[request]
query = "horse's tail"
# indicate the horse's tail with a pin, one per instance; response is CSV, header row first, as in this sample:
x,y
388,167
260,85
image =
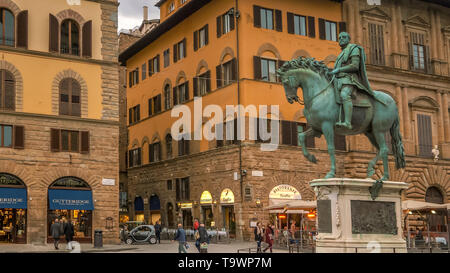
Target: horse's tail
x,y
397,145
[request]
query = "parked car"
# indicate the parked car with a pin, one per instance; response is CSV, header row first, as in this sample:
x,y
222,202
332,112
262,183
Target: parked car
x,y
142,234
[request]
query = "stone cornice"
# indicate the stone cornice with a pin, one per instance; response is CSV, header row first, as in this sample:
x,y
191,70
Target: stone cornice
x,y
104,2
55,55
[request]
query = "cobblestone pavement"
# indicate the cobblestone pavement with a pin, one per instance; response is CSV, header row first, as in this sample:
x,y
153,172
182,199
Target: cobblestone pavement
x,y
165,247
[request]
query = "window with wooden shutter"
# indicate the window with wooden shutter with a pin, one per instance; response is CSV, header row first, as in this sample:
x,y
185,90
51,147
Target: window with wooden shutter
x,y
167,97
257,67
22,29
219,26
175,96
175,52
19,137
151,153
130,116
166,57
376,37
85,142
290,22
150,107
196,40
311,27
168,146
219,76
70,97
130,79
278,20
54,34
195,86
419,53
6,136
425,135
7,90
87,39
55,145
7,27
70,37
257,16
322,29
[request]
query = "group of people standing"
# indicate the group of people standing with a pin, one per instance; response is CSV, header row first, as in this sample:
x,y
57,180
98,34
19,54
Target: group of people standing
x,y
264,234
65,228
200,234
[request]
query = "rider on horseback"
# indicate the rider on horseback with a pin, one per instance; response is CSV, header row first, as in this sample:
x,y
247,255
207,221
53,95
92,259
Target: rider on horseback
x,y
350,72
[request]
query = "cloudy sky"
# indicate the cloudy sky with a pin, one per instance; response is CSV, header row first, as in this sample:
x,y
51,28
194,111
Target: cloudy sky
x,y
131,14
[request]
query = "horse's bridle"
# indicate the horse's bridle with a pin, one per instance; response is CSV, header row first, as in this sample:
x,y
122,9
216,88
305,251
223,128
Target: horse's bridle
x,y
316,95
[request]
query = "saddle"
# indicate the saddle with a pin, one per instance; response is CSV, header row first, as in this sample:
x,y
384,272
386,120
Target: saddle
x,y
362,112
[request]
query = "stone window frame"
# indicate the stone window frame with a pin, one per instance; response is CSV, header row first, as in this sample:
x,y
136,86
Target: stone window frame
x,y
15,10
378,17
202,66
69,73
4,65
431,110
417,24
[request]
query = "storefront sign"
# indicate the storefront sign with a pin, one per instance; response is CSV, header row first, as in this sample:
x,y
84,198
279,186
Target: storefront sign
x,y
108,182
206,198
70,199
285,192
186,205
227,197
12,198
9,180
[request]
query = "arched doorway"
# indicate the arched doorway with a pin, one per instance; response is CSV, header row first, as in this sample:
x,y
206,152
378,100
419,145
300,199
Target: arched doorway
x,y
139,209
13,209
70,200
170,222
155,209
227,204
207,216
437,218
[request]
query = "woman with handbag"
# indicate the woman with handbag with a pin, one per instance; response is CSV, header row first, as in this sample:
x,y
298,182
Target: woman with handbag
x,y
269,238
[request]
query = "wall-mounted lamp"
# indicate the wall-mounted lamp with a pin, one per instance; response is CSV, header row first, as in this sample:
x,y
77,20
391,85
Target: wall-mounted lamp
x,y
433,211
244,172
409,212
258,202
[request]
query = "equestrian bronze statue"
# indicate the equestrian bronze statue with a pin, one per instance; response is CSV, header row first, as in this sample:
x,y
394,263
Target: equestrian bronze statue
x,y
342,102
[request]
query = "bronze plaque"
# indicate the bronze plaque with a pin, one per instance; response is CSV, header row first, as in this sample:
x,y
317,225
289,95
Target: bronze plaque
x,y
324,214
373,217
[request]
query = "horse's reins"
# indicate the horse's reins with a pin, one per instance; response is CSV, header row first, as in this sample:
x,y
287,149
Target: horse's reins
x,y
316,95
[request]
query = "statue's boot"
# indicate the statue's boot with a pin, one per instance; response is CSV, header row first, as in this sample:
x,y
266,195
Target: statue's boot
x,y
348,111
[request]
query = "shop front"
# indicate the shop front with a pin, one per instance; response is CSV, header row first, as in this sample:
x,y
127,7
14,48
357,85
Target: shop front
x,y
206,204
13,209
155,209
186,215
139,209
227,207
70,200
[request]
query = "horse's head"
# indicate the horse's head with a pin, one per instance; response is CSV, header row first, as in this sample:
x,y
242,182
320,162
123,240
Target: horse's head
x,y
290,84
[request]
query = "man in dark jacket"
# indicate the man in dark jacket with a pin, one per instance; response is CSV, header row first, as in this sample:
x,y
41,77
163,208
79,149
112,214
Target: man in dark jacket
x,y
69,232
54,231
158,231
204,239
181,238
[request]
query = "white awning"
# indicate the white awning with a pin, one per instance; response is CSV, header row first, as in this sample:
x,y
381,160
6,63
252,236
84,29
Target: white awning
x,y
288,211
292,205
421,205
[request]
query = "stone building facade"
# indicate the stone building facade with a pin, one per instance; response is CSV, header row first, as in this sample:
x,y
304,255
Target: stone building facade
x,y
63,150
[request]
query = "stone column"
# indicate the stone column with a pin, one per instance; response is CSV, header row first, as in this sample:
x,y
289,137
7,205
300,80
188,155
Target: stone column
x,y
401,32
398,94
446,115
394,27
440,118
440,44
358,24
433,35
407,123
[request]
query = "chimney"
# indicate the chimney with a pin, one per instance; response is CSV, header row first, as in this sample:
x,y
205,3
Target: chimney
x,y
145,13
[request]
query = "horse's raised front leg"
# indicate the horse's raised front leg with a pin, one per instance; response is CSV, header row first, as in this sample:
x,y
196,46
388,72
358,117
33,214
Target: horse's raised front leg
x,y
328,132
373,162
302,136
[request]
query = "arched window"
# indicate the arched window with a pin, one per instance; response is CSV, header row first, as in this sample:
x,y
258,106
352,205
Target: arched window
x,y
70,37
434,195
7,90
169,146
69,97
6,27
167,97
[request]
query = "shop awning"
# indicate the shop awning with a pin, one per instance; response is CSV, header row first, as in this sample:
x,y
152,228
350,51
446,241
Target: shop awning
x,y
293,204
421,205
13,198
70,199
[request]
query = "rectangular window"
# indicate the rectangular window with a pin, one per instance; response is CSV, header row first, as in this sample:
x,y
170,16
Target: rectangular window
x,y
268,70
185,191
203,84
266,18
134,157
419,57
166,57
227,73
330,31
6,136
180,52
425,135
300,25
169,185
144,71
225,23
134,114
202,38
376,37
70,141
183,146
419,53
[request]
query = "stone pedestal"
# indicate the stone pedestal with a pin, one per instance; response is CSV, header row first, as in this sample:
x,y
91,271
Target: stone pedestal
x,y
349,221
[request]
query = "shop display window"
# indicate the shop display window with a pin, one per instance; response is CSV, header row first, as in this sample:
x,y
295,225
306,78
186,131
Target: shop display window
x,y
13,225
82,219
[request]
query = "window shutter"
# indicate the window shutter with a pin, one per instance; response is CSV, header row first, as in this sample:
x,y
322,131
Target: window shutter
x,y
64,96
177,189
231,22
137,75
233,69
184,48
10,94
75,99
411,56
195,83
151,152
208,81
278,20
175,96
85,142
195,40
280,64
286,132
150,63
159,102
54,34
257,16
322,29
219,26
130,79
54,140
425,135
311,27
130,116
257,67
290,23
186,88
22,29
138,112
175,53
206,34
157,69
428,66
18,137
342,27
219,76
87,39
150,110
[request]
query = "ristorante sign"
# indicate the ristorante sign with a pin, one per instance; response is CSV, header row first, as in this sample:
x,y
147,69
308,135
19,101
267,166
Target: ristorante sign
x,y
285,192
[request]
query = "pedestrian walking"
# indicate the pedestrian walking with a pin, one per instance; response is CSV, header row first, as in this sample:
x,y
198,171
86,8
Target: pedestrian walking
x,y
203,239
259,233
181,238
55,232
269,237
197,240
69,232
158,231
